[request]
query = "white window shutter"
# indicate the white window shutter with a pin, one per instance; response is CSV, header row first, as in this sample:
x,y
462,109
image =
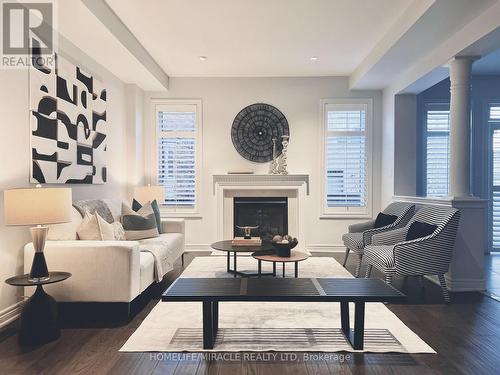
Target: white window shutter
x,y
438,152
346,166
177,157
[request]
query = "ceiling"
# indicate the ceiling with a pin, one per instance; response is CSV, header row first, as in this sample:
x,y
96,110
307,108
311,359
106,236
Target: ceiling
x,y
259,37
83,29
488,65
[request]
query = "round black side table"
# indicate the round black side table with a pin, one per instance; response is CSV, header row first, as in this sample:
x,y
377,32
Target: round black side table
x,y
39,321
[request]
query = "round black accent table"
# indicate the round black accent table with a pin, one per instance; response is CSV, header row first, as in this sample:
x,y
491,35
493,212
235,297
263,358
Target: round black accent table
x,y
39,321
228,247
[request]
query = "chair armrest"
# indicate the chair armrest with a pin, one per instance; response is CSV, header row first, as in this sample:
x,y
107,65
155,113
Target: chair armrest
x,y
368,234
390,237
102,271
171,225
430,255
361,227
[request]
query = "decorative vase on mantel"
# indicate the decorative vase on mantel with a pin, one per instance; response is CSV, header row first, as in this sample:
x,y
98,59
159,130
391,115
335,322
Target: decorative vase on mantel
x,y
282,169
273,168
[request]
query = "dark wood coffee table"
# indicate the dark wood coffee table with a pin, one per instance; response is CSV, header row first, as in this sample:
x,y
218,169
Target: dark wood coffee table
x,y
213,291
270,256
228,247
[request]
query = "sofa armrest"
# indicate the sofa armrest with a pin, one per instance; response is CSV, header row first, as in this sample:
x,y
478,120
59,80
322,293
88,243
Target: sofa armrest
x,y
102,271
171,225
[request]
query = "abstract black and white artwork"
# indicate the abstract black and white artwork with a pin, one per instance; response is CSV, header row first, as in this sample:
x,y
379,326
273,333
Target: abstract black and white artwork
x,y
68,125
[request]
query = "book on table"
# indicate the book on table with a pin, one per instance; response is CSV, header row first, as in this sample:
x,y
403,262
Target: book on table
x,y
242,241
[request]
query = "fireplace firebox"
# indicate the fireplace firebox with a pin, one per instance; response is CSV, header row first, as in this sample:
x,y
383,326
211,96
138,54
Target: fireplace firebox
x,y
269,213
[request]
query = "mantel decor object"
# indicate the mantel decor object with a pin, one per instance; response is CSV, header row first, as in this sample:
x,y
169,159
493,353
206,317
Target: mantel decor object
x,y
283,161
273,168
38,206
253,130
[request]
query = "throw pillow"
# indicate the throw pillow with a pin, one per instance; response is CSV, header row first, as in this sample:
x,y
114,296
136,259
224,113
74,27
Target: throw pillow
x,y
119,231
136,206
383,219
139,225
95,228
418,230
92,206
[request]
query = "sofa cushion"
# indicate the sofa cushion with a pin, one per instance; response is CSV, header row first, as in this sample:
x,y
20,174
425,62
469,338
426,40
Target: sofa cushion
x,y
139,225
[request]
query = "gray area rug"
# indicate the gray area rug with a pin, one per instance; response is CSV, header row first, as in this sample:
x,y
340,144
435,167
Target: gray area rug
x,y
278,326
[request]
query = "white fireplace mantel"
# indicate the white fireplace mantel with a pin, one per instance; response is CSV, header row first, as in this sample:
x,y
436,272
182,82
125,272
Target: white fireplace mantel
x,y
260,180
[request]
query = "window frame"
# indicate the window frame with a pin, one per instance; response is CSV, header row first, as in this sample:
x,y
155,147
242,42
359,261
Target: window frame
x,y
155,134
436,105
342,212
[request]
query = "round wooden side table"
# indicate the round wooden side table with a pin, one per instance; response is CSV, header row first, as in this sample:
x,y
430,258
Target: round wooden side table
x,y
270,256
228,247
39,318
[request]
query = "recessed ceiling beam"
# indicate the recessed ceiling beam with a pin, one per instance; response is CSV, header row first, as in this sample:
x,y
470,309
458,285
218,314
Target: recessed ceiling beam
x,y
114,24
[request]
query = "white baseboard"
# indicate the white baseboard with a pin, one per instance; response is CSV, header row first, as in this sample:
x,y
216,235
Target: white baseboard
x,y
10,314
461,285
326,248
198,247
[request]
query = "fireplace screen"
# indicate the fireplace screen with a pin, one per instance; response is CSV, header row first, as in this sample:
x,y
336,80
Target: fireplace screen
x,y
269,213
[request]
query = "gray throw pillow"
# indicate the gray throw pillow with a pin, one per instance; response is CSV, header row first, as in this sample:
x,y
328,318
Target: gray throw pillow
x,y
139,225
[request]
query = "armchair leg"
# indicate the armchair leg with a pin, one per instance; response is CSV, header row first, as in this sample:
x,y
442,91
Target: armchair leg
x,y
368,271
182,259
346,256
358,267
444,288
388,279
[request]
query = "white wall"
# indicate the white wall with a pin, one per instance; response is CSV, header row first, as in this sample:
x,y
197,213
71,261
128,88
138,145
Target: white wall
x,y
15,156
299,100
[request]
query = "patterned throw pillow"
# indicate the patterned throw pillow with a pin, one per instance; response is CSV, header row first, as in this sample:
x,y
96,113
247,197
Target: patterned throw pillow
x,y
95,228
119,231
136,206
139,225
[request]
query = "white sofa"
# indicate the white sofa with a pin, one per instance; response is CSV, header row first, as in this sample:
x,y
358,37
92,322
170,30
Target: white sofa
x,y
104,271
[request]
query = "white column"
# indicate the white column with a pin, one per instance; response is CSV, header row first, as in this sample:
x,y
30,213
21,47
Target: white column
x,y
460,119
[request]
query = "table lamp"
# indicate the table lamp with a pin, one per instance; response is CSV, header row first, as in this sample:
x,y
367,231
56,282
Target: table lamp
x,y
38,206
144,194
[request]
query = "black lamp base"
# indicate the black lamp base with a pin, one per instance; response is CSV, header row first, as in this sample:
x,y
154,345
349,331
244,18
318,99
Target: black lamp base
x,y
39,271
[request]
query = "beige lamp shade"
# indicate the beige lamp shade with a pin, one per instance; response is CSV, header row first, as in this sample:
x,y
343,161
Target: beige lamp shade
x,y
37,206
149,193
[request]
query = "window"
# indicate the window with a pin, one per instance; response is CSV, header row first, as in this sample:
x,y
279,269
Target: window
x,y
346,157
437,149
494,125
178,150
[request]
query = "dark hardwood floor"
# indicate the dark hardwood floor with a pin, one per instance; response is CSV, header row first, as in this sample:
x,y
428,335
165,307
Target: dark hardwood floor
x,y
465,333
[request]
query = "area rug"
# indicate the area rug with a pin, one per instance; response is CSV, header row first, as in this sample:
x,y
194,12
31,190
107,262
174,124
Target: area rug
x,y
277,326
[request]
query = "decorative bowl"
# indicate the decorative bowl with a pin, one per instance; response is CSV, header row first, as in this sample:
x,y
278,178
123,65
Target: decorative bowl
x,y
283,249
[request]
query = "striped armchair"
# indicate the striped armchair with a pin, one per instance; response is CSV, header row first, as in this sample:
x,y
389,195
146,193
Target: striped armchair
x,y
361,234
429,255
